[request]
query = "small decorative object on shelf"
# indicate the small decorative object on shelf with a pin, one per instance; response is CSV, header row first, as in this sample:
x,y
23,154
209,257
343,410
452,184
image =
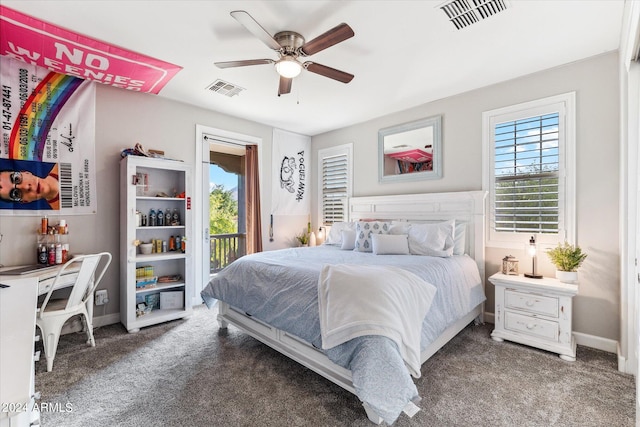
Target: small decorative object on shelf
x,y
510,265
533,250
567,258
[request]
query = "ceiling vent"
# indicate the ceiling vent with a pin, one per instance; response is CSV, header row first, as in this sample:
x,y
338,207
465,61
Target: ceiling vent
x,y
463,13
225,88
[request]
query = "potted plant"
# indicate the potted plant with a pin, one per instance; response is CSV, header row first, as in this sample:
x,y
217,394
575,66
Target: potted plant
x,y
303,239
567,258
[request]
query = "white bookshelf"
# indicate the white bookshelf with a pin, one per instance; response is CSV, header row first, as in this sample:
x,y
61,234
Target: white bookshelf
x,y
172,181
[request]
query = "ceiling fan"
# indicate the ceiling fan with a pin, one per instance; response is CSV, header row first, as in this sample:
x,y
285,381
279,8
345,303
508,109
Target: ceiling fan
x,y
290,46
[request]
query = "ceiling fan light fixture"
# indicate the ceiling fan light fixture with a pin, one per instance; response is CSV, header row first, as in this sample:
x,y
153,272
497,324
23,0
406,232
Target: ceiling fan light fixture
x,y
288,67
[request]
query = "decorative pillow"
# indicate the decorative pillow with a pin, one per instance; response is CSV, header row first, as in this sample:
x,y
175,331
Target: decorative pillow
x,y
348,238
335,232
432,239
364,231
390,244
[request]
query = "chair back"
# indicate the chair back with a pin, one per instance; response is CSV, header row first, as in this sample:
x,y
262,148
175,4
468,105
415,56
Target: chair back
x,y
88,278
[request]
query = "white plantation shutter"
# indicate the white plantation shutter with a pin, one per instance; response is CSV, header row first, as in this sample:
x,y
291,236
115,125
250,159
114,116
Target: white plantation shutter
x,y
526,166
529,171
335,182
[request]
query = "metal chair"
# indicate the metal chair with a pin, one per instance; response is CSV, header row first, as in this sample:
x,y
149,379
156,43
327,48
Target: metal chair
x,y
53,313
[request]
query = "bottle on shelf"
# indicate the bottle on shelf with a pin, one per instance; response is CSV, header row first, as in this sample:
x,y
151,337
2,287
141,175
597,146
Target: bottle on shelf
x,y
178,242
43,256
51,254
58,253
44,225
175,219
152,218
160,216
167,218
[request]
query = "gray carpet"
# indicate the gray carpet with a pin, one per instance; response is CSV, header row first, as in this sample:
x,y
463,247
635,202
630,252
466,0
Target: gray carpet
x,y
189,373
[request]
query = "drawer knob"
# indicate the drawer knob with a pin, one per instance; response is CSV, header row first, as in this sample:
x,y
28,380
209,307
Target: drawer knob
x,y
529,303
531,325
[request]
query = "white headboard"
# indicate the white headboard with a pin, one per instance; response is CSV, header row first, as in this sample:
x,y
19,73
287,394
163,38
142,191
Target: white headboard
x,y
465,206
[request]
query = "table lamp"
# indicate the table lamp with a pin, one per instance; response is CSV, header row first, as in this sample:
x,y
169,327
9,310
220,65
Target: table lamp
x,y
533,251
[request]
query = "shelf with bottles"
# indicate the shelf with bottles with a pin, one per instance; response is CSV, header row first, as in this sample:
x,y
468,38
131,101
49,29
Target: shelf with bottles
x,y
47,230
52,245
159,215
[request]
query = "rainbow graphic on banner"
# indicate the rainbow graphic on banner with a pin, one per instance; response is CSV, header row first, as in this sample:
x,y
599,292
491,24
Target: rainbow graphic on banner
x,y
30,132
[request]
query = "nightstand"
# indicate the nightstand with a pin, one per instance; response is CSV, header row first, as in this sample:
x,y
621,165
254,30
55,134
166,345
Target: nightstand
x,y
535,312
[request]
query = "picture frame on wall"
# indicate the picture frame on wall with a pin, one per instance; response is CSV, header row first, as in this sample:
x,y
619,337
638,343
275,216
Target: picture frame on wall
x,y
411,151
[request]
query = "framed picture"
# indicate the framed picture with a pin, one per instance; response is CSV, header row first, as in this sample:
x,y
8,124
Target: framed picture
x,y
411,151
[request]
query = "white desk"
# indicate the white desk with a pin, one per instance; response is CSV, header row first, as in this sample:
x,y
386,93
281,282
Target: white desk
x,y
18,305
45,277
17,336
45,280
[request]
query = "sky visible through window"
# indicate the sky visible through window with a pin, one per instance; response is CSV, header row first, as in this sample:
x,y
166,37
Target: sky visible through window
x,y
526,146
218,176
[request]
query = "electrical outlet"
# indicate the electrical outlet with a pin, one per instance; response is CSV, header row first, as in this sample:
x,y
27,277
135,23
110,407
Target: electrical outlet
x,y
101,297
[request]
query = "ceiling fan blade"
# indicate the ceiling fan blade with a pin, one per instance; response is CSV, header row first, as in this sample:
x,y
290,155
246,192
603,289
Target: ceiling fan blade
x,y
325,71
285,85
231,64
334,36
256,29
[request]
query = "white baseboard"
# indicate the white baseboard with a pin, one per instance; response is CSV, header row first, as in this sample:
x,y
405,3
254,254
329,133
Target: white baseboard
x,y
76,324
586,340
109,319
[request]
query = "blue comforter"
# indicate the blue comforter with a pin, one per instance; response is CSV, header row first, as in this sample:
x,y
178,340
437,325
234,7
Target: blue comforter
x,y
281,288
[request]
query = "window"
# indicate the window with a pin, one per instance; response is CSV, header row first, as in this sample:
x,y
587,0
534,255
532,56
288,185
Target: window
x,y
529,171
334,166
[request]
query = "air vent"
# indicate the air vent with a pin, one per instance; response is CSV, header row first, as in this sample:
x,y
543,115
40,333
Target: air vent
x,y
463,13
225,88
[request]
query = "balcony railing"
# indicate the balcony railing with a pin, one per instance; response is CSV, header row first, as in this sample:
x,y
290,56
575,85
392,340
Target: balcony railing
x,y
226,248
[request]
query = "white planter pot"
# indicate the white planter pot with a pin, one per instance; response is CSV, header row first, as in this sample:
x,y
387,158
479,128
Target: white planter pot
x,y
567,276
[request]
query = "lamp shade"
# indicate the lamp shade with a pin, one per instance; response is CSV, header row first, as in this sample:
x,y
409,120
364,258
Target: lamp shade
x,y
288,67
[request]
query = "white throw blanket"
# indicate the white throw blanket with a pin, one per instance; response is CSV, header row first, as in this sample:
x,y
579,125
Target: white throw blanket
x,y
357,300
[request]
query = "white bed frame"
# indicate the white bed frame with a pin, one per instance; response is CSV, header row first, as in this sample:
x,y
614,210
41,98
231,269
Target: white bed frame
x,y
467,207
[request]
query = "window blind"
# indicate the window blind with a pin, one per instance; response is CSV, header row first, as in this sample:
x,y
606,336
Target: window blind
x,y
334,188
526,172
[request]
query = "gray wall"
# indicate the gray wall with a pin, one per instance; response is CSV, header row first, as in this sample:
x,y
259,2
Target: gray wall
x,y
595,81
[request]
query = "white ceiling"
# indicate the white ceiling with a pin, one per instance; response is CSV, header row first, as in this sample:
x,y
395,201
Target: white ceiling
x,y
403,54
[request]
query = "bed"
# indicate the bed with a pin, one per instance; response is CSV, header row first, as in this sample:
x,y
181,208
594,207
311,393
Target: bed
x,y
285,298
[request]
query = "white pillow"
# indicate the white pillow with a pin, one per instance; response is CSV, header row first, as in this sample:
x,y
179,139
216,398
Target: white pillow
x,y
390,244
364,229
459,238
335,232
348,238
398,227
432,239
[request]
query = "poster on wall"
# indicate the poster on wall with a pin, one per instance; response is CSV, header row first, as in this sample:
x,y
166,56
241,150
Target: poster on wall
x,y
291,179
41,43
47,153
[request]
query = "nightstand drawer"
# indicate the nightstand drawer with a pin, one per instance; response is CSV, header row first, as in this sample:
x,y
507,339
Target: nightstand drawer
x,y
532,303
532,326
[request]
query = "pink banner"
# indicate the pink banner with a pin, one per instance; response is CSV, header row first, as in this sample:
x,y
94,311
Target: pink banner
x,y
35,42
